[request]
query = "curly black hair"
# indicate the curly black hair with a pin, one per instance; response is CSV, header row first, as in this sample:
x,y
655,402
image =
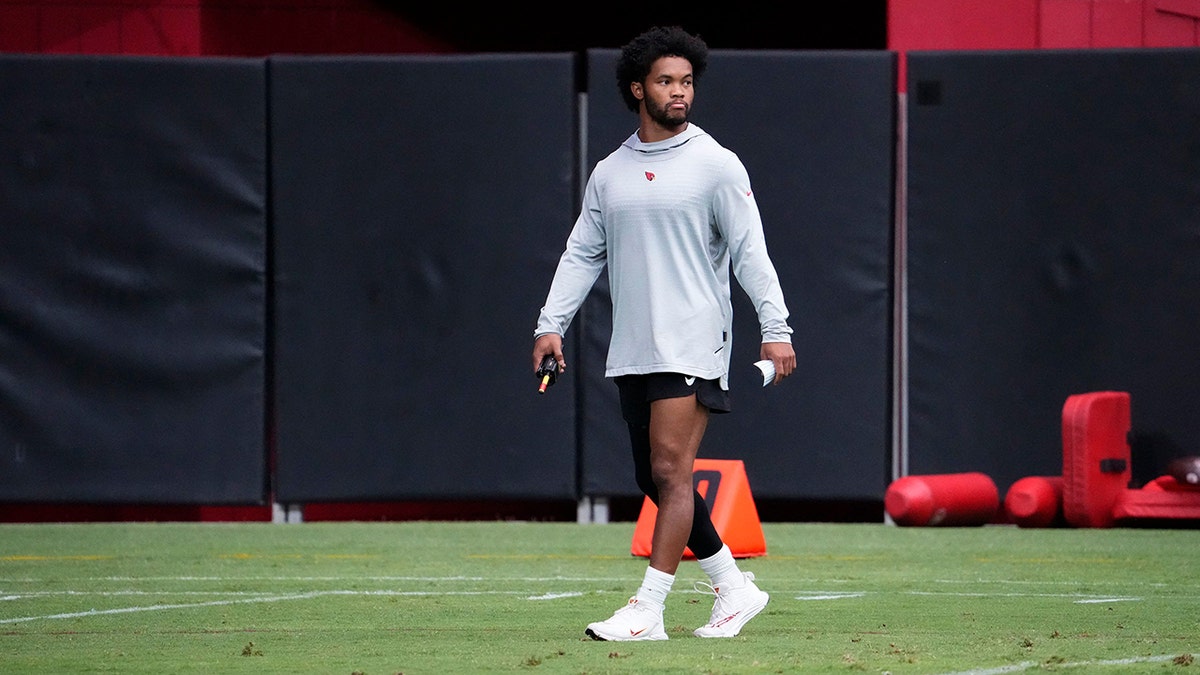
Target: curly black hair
x,y
640,54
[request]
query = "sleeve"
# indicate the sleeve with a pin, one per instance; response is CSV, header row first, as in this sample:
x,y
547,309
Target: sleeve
x,y
739,221
579,266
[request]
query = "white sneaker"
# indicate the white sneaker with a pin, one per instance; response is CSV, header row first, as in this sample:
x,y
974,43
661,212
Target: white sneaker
x,y
733,609
634,621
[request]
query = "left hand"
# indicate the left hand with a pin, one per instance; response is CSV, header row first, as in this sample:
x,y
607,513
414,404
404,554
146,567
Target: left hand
x,y
782,356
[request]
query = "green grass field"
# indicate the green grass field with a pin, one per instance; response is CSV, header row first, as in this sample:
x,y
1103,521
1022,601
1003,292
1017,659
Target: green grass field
x,y
479,597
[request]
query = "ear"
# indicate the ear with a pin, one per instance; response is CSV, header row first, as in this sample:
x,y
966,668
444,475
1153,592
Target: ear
x,y
636,88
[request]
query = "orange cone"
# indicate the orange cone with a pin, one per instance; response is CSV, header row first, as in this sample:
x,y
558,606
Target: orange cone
x,y
726,488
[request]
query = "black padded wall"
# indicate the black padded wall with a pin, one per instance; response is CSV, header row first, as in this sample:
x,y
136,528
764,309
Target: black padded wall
x,y
816,132
419,208
132,279
1054,242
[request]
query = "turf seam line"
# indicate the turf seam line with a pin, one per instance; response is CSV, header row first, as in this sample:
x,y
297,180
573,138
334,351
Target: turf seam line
x,y
1026,665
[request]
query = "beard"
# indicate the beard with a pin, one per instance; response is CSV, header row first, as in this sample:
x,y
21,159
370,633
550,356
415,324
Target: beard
x,y
667,118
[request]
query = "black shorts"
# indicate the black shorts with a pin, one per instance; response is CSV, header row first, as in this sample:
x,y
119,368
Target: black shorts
x,y
637,391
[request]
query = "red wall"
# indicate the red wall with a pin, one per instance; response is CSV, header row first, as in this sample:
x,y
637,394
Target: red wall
x,y
916,25
206,27
261,27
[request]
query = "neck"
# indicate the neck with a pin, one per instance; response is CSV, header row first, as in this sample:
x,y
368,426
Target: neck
x,y
651,131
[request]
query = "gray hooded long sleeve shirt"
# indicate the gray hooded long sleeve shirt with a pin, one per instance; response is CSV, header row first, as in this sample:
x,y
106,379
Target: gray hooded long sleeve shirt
x,y
670,219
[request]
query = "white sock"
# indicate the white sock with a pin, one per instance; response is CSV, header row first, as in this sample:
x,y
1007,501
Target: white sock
x,y
722,569
655,586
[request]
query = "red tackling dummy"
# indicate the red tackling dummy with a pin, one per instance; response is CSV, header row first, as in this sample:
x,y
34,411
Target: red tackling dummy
x,y
942,499
1035,501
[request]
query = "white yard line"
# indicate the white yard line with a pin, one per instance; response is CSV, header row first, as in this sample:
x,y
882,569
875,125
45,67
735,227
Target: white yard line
x,y
154,608
555,596
217,603
1081,597
242,597
326,578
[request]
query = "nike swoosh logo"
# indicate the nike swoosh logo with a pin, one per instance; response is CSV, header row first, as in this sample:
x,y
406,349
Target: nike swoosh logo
x,y
727,619
689,381
635,633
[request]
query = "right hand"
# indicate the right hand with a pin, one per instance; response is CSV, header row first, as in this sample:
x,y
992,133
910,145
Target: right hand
x,y
782,356
548,344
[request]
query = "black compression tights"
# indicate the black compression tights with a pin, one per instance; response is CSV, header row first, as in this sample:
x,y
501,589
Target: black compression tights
x,y
703,540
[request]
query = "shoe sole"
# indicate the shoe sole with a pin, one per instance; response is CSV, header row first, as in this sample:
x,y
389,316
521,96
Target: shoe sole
x,y
596,636
741,621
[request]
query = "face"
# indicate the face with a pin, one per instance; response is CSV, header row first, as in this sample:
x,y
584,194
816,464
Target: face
x,y
667,93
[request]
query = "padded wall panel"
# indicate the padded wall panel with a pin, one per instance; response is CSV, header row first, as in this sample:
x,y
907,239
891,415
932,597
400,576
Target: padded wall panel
x,y
1054,242
418,207
132,280
816,133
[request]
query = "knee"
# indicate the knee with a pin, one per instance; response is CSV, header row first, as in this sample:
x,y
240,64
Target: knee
x,y
671,476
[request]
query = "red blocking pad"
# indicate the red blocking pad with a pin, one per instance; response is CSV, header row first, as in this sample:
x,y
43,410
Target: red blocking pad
x,y
1157,503
1035,501
726,488
1171,484
942,499
1096,456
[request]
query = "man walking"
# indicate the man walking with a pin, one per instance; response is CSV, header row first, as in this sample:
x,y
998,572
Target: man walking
x,y
669,212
